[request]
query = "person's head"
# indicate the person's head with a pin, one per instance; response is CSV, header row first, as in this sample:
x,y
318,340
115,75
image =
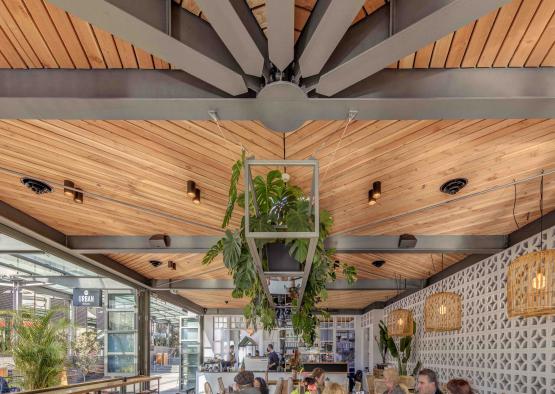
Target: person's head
x,y
257,353
244,379
310,384
260,383
427,381
270,348
334,388
391,377
319,375
459,386
231,348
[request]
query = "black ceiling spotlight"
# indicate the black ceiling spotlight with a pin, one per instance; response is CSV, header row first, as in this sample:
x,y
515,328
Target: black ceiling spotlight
x,y
38,187
453,186
172,265
160,241
407,241
191,187
68,188
196,199
378,263
374,193
155,263
78,196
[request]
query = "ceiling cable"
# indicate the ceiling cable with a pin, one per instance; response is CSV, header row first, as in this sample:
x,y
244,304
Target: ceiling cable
x,y
98,196
440,204
350,117
216,119
514,207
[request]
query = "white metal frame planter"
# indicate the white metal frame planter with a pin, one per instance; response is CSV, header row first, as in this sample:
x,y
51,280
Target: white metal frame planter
x,y
251,236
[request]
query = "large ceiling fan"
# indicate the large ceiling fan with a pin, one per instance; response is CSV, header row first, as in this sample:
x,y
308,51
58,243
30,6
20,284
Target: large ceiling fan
x,y
236,71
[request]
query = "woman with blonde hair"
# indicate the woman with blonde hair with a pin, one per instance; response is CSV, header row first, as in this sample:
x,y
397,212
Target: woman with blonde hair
x,y
334,388
392,380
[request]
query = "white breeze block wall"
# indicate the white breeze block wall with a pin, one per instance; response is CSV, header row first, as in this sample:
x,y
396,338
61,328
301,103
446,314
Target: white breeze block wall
x,y
496,354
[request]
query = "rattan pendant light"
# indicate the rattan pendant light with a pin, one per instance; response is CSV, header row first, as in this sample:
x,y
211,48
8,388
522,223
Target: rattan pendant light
x,y
400,323
442,312
531,280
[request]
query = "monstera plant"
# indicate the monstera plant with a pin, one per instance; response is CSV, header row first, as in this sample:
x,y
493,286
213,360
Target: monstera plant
x,y
281,207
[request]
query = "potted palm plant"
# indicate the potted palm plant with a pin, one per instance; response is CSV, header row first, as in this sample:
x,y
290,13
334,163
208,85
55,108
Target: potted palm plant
x,y
38,347
281,205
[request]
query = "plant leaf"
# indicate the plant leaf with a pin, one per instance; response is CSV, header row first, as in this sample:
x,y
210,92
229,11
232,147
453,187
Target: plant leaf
x,y
213,252
232,195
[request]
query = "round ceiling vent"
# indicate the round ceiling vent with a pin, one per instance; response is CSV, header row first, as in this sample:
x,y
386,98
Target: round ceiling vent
x,y
453,186
38,187
378,263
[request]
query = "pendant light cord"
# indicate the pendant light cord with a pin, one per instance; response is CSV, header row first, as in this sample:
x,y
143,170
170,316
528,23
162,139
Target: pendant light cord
x,y
541,212
514,207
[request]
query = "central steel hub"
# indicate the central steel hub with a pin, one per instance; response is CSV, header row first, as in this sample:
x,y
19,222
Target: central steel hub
x,y
287,115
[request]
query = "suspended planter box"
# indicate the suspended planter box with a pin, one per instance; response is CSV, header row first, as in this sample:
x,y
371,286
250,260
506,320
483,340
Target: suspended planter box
x,y
442,312
400,323
279,259
278,253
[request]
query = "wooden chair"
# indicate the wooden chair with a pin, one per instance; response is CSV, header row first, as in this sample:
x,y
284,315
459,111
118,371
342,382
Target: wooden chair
x,y
358,387
408,381
279,386
370,382
284,387
221,385
207,388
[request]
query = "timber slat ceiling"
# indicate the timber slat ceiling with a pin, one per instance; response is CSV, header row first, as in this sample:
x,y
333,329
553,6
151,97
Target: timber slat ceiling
x,y
355,299
520,34
214,298
36,34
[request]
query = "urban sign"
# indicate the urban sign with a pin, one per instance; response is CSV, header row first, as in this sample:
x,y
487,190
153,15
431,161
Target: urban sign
x,y
87,297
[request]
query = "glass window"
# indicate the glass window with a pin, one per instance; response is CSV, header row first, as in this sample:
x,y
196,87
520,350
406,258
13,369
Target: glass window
x,y
121,321
123,364
121,301
121,343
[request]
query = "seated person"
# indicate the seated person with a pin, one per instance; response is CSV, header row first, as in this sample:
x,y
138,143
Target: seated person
x,y
427,382
459,386
392,380
244,383
261,385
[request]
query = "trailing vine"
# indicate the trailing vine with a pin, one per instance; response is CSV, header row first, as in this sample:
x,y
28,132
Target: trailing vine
x,y
281,206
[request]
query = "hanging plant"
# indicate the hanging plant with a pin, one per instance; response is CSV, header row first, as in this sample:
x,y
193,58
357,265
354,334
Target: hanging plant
x,y
281,206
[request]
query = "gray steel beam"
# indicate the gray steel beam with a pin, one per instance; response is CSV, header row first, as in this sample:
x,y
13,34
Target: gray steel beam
x,y
104,244
10,245
280,15
340,284
240,32
326,26
80,282
24,228
193,46
424,244
389,94
367,47
239,312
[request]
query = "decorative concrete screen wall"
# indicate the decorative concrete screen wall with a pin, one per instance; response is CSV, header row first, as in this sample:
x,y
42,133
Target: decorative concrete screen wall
x,y
497,354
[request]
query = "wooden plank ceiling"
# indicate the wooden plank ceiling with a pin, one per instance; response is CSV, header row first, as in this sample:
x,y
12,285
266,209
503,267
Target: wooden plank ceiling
x,y
354,299
214,298
35,34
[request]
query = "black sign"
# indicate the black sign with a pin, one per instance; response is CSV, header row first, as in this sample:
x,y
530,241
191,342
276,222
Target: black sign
x,y
87,297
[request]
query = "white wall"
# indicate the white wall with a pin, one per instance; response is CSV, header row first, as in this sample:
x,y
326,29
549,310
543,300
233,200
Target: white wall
x,y
496,354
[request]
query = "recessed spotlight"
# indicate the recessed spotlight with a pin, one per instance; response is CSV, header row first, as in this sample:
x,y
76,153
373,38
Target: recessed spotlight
x,y
196,199
453,186
38,187
69,192
191,187
378,263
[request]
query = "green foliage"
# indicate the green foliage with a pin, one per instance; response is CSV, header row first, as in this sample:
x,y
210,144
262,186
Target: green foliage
x,y
281,207
382,341
403,352
39,347
85,352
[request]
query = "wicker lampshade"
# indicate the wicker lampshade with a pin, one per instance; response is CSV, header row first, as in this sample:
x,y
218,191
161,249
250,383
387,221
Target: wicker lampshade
x,y
442,312
400,323
531,285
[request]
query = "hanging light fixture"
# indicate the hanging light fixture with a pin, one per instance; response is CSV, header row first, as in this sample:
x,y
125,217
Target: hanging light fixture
x,y
442,312
191,187
196,199
400,323
531,280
